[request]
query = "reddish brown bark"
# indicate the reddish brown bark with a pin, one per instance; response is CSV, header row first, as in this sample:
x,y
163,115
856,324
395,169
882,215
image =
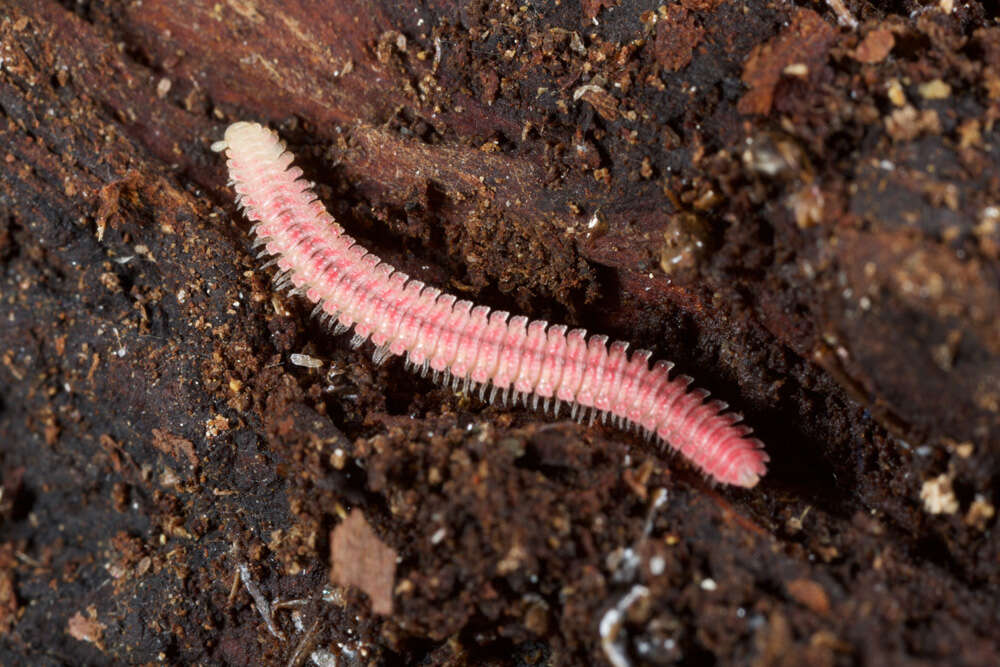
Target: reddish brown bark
x,y
807,224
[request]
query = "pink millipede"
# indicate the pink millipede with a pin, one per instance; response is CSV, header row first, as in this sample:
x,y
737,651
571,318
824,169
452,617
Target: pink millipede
x,y
468,345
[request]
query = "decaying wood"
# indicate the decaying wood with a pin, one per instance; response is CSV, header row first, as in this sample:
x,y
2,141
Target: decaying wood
x,y
806,214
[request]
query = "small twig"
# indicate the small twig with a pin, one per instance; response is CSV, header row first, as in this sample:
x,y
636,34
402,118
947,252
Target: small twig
x,y
284,604
304,646
628,567
844,16
263,606
235,587
25,558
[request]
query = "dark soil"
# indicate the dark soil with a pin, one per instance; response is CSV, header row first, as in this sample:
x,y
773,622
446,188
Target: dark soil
x,y
804,216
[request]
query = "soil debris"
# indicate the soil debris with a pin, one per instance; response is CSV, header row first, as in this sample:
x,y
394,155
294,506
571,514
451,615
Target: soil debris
x,y
359,558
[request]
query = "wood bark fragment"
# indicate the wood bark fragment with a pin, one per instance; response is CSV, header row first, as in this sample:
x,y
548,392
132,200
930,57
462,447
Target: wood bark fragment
x,y
842,191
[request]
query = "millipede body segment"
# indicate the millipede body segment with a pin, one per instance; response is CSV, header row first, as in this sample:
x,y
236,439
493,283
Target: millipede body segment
x,y
470,346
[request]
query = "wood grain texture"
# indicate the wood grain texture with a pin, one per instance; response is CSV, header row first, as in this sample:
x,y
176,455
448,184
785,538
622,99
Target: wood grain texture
x,y
830,266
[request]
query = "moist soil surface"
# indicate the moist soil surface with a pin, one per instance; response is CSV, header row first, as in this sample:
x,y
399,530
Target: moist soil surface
x,y
799,205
